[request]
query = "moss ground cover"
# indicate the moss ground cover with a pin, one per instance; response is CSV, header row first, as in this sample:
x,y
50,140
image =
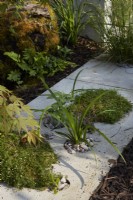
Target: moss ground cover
x,y
110,108
24,165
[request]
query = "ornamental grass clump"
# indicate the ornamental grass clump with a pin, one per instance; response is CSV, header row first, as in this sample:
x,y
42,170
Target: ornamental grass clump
x,y
115,27
73,17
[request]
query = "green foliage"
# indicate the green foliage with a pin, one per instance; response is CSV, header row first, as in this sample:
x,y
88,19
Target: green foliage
x,y
63,52
74,124
36,64
62,100
115,26
110,108
15,117
73,17
15,76
23,165
3,7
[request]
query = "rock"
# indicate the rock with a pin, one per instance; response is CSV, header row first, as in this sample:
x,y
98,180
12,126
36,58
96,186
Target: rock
x,y
62,186
91,144
88,139
51,123
70,150
49,136
76,146
63,180
84,146
68,146
73,148
91,139
64,183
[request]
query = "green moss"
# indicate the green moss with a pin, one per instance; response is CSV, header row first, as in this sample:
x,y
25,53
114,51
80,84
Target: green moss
x,y
110,108
26,165
33,28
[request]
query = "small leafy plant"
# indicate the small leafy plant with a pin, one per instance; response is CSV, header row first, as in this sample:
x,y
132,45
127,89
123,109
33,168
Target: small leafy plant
x,y
15,117
35,64
63,52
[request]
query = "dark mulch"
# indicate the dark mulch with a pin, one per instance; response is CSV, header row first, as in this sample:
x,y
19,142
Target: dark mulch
x,y
83,51
118,183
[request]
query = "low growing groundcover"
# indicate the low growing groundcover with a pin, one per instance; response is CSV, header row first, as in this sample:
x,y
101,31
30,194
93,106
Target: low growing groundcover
x,y
24,165
110,108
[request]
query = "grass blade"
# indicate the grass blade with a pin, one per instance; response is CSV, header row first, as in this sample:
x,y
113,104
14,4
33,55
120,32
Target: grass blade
x,y
111,143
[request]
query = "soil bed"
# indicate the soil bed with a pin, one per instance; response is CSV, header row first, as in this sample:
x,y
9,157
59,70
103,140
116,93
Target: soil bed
x,y
118,183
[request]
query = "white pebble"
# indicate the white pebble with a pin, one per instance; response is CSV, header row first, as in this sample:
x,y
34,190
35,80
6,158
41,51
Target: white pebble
x,y
61,186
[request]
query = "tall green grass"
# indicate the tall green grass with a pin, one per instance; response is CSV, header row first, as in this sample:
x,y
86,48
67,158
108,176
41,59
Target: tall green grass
x,y
115,27
73,18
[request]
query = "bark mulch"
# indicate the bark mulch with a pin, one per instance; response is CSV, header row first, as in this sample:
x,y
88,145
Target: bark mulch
x,y
118,183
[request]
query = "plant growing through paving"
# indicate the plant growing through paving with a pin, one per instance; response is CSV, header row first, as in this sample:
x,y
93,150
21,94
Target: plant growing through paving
x,y
76,129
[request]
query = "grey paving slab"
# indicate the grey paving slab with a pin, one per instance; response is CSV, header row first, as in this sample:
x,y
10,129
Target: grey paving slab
x,y
83,172
107,74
